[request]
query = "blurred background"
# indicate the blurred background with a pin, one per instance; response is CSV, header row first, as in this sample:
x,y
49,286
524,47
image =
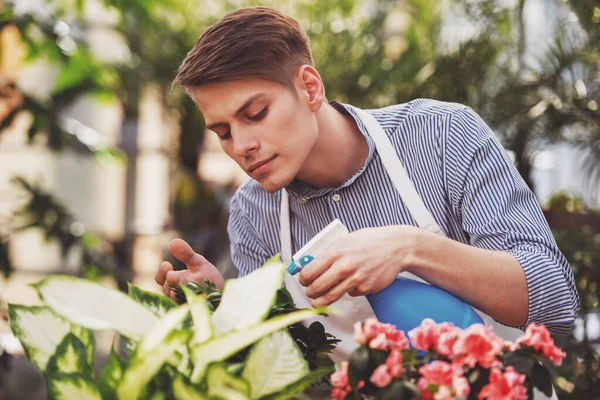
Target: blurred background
x,y
103,161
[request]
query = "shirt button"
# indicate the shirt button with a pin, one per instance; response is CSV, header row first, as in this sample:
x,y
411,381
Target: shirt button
x,y
303,201
336,197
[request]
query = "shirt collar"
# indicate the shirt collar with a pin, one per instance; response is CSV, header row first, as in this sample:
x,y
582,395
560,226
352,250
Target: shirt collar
x,y
300,190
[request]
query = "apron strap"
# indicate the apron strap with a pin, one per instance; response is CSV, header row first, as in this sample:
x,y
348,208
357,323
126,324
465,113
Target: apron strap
x,y
285,231
398,175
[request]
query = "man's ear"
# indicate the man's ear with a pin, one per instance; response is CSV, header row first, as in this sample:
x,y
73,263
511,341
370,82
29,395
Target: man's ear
x,y
310,86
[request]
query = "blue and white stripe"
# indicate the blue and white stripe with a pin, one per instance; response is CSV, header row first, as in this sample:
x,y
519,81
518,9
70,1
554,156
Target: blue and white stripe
x,y
466,181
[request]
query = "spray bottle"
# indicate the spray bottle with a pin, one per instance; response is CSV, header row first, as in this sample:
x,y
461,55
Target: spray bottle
x,y
406,302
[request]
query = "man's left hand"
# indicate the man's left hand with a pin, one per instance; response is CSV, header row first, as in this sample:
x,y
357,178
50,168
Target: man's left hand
x,y
362,262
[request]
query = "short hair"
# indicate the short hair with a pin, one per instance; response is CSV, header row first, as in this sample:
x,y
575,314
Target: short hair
x,y
252,42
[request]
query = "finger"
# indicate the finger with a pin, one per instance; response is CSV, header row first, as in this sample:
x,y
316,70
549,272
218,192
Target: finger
x,y
167,289
334,294
161,273
184,253
316,268
175,278
339,271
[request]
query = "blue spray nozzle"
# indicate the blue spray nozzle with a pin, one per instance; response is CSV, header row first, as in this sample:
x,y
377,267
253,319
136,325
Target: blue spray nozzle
x,y
293,268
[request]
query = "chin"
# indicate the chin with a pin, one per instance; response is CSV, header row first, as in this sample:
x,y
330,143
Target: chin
x,y
273,185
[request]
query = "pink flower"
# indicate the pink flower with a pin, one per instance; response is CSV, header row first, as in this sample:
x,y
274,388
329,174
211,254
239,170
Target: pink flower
x,y
504,386
446,377
478,344
396,339
371,328
554,354
394,363
538,337
379,342
439,337
448,334
510,346
461,386
425,393
438,372
379,336
381,376
443,393
339,378
425,335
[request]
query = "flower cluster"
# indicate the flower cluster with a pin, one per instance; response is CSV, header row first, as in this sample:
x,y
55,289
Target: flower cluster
x,y
443,362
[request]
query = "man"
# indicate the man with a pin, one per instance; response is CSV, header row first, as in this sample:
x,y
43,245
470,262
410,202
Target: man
x,y
311,161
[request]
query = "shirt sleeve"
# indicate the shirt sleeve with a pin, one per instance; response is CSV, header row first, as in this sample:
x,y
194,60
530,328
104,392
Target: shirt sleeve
x,y
498,211
248,252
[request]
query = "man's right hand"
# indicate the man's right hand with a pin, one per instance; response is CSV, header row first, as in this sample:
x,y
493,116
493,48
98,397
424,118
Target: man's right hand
x,y
198,269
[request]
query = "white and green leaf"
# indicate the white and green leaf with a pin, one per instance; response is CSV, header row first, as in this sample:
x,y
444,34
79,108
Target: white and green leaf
x,y
111,375
229,394
88,338
274,363
219,381
143,367
94,306
70,358
300,385
152,352
201,315
156,303
72,386
184,390
155,336
222,347
247,301
40,331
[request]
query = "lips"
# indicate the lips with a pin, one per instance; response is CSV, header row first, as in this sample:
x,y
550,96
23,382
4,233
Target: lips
x,y
258,165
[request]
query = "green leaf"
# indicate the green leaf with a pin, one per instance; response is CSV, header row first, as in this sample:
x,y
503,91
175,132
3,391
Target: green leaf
x,y
301,384
222,347
94,306
111,375
274,363
247,301
399,390
219,380
359,367
70,358
409,356
184,390
72,386
542,379
156,303
521,363
40,331
155,348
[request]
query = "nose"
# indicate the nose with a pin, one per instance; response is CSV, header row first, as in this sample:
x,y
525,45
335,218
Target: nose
x,y
245,144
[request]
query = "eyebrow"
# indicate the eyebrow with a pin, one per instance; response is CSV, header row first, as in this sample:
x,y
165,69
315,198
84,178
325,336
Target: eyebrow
x,y
240,110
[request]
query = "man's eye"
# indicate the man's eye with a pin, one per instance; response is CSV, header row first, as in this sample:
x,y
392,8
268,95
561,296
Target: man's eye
x,y
260,115
225,136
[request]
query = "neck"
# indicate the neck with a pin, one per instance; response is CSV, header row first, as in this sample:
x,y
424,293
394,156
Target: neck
x,y
340,150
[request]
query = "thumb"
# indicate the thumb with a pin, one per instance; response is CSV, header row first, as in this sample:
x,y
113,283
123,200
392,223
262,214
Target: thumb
x,y
182,251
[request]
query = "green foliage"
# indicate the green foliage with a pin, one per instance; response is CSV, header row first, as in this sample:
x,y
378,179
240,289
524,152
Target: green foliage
x,y
167,361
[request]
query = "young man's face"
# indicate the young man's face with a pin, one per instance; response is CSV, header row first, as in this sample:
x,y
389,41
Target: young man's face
x,y
267,129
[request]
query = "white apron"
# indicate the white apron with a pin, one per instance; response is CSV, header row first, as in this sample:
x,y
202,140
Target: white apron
x,y
352,309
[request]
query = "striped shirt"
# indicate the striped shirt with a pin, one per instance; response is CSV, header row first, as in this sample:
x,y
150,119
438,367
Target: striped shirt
x,y
466,180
